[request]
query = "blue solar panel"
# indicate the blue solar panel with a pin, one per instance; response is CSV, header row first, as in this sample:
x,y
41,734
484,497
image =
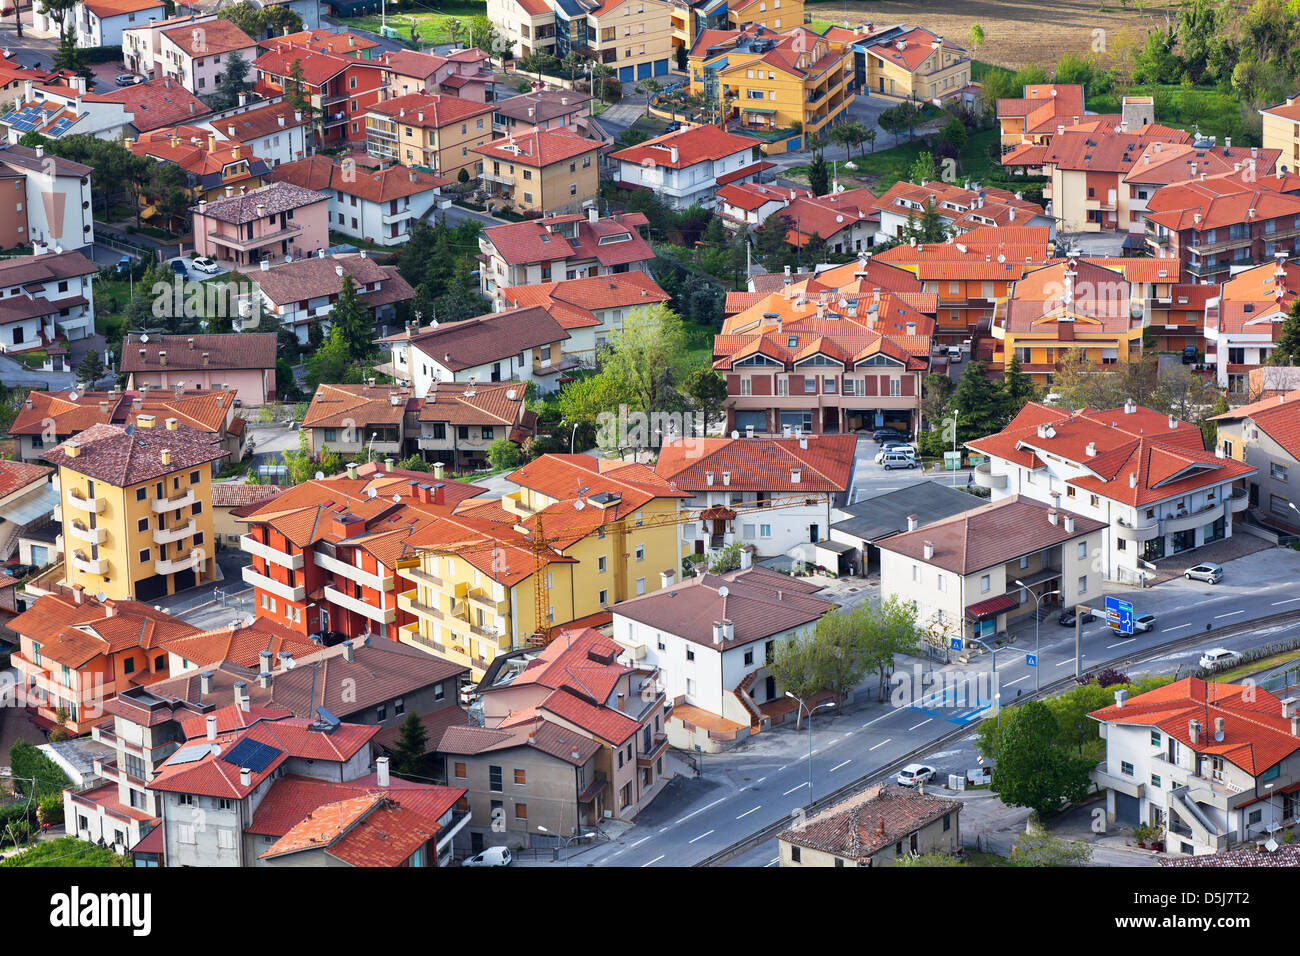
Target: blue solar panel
x,y
61,127
251,754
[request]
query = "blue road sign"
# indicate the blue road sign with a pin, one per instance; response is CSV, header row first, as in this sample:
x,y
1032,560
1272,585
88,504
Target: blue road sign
x,y
956,643
1119,615
1031,660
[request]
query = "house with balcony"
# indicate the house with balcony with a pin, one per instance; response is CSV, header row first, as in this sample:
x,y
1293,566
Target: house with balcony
x,y
905,63
45,298
99,22
971,575
214,168
135,505
303,291
142,43
1177,321
340,87
561,247
463,72
434,131
634,40
61,106
280,220
324,553
687,167
459,425
46,200
366,419
1264,434
380,206
155,104
1218,226
76,652
242,362
552,171
1243,326
960,208
712,638
514,345
579,683
749,204
1281,131
846,219
197,56
1145,474
770,474
591,310
1034,117
1212,765
542,109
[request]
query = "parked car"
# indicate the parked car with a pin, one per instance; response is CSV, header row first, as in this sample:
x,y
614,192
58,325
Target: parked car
x,y
1067,618
1189,355
889,447
20,570
492,856
954,354
124,264
204,264
897,459
673,127
1143,623
127,79
180,268
1211,573
1218,656
915,773
883,435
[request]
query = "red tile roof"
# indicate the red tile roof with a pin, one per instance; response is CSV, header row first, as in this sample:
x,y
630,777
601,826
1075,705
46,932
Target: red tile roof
x,y
760,464
241,644
686,147
210,37
538,147
573,302
156,103
1219,201
866,824
16,475
540,240
430,110
1276,416
379,186
228,350
120,457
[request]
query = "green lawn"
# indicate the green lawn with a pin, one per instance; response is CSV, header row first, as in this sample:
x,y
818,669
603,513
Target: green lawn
x,y
431,27
1216,114
1254,667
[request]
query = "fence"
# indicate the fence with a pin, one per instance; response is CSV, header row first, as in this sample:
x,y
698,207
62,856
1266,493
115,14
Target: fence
x,y
235,594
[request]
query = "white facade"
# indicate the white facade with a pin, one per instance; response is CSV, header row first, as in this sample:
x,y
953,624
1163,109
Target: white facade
x,y
198,74
75,322
142,45
1251,346
385,223
771,531
109,121
413,365
93,30
681,187
58,206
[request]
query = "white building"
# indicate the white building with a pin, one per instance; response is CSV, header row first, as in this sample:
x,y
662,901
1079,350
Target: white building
x,y
43,297
100,22
1212,765
1146,475
723,474
688,166
712,638
142,44
66,110
196,55
57,196
748,204
273,131
1242,325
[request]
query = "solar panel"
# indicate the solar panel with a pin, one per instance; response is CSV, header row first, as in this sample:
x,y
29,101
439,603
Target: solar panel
x,y
252,754
190,754
61,127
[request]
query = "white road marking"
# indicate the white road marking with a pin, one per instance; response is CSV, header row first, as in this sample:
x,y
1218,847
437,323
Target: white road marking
x,y
695,812
1118,643
1229,614
921,724
700,837
1176,627
759,780
793,789
638,843
1017,680
774,862
652,862
748,812
1287,601
837,766
879,745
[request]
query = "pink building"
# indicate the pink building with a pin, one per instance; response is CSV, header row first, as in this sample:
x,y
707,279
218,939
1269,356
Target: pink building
x,y
243,361
269,223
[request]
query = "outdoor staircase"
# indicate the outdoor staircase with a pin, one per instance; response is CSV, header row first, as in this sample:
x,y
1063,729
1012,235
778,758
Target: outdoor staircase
x,y
756,718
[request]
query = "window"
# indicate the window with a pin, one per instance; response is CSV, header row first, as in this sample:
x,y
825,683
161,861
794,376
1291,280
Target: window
x,y
520,778
1277,472
690,653
399,707
939,582
1155,738
809,385
1083,550
185,799
916,572
985,584
1126,768
947,822
602,597
494,779
640,585
521,811
185,833
749,656
459,770
128,666
381,713
1083,584
142,524
144,557
794,854
640,552
141,494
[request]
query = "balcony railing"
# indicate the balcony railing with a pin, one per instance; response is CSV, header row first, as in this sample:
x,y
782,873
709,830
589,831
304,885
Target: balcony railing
x,y
167,535
176,502
82,532
378,614
78,499
89,565
271,586
353,573
267,553
191,561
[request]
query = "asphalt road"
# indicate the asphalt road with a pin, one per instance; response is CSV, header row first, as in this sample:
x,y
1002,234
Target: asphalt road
x,y
742,791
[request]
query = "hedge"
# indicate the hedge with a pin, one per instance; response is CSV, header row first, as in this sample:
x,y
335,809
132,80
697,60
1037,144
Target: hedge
x,y
27,761
102,54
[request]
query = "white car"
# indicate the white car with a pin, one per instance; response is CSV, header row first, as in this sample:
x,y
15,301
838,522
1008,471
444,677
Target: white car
x,y
915,773
204,264
1218,656
492,856
901,448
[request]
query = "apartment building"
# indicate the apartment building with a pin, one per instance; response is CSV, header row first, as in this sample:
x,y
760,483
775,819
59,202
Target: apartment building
x,y
1146,475
1177,320
242,362
280,220
433,130
135,508
1033,118
27,497
541,109
555,171
960,208
197,56
381,206
458,426
215,169
340,87
688,166
45,200
99,22
276,133
632,38
1281,131
63,108
527,25
561,247
591,310
1264,434
466,73
142,44
905,63
46,297
1243,326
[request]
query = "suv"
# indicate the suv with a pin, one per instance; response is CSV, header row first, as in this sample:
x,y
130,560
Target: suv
x,y
883,435
914,773
954,354
1210,573
1217,656
127,79
899,447
897,459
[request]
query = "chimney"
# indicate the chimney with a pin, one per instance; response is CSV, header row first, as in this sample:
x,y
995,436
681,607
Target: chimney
x,y
1091,450
746,559
1069,524
352,469
439,470
171,424
388,464
72,448
1130,406
267,659
239,694
1218,728
574,753
1194,732
103,408
717,632
77,591
205,684
211,722
928,550
726,478
729,630
622,702
1132,479
245,777
166,456
381,772
1052,515
162,357
1121,695
1173,423
912,521
349,654
439,494
667,577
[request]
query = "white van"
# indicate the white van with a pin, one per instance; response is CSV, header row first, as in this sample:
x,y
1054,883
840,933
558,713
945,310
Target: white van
x,y
895,459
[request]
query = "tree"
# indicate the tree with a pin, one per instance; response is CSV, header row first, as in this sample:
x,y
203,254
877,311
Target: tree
x,y
286,386
707,390
408,756
976,36
649,86
1018,388
1287,351
295,91
298,464
819,176
954,134
232,81
58,10
794,668
936,390
69,56
648,354
923,169
588,398
726,559
771,244
503,453
814,250
353,320
329,363
887,629
978,404
1040,848
869,135
1075,729
1031,771
1156,62
91,369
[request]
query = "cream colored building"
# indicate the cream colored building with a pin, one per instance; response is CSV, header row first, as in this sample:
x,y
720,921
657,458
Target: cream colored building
x,y
1282,131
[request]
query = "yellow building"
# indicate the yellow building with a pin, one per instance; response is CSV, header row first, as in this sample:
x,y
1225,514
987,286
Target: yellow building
x,y
773,14
902,63
555,171
610,534
136,508
1282,131
431,130
764,80
632,37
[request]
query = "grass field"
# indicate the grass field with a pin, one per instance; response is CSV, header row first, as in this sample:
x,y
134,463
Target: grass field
x,y
432,25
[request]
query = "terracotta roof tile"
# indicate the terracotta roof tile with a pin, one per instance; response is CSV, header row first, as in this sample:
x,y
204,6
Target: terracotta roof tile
x,y
864,825
128,455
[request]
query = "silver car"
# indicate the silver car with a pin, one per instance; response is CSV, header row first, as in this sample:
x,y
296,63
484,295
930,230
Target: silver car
x,y
1211,573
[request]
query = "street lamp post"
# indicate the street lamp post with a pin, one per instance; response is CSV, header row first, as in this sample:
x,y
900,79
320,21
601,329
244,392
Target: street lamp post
x,y
1037,599
997,688
573,435
809,711
565,841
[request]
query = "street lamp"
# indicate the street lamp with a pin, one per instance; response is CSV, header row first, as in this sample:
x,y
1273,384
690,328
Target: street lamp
x,y
997,688
370,446
573,435
810,711
565,841
1036,598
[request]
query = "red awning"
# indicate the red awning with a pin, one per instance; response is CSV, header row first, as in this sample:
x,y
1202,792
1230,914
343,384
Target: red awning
x,y
740,174
717,513
991,607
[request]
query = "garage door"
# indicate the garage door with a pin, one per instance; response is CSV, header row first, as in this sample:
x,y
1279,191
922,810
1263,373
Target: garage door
x,y
661,67
1127,809
757,419
625,74
643,70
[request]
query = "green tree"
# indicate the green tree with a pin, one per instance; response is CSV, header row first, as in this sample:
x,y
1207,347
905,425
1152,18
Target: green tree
x,y
353,320
976,36
408,756
286,386
299,466
1017,387
1287,351
954,134
232,81
771,243
726,559
586,399
869,136
923,169
1075,729
1040,848
503,453
707,391
328,364
1031,771
936,390
66,851
58,10
91,369
794,668
814,250
887,630
649,355
819,176
649,86
69,56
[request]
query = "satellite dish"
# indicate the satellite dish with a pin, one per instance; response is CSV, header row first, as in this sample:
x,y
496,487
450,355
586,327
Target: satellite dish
x,y
101,597
735,434
1218,735
144,337
371,493
72,396
578,505
723,591
397,499
248,620
320,476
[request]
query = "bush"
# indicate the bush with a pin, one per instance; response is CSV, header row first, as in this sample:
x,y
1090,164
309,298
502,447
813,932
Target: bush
x,y
66,851
102,54
503,453
49,811
613,90
26,761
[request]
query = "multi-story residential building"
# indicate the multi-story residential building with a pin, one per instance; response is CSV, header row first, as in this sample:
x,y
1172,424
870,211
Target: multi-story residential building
x,y
465,73
749,204
197,56
75,653
46,297
542,109
279,220
64,108
1034,117
591,309
304,291
340,87
44,201
276,133
688,166
524,345
722,473
142,45
561,247
492,566
215,168
1146,475
905,63
458,426
960,208
578,684
712,639
306,572
1176,321
381,206
1212,765
961,573
341,42
1281,131
844,218
1216,226
1264,434
431,130
359,418
242,362
99,22
766,80
1243,326
135,508
542,171
635,39
877,828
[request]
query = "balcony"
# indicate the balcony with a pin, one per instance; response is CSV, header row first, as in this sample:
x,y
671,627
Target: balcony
x,y
250,544
353,573
377,614
285,592
1232,242
1119,783
89,565
1130,532
176,502
79,530
421,576
985,478
77,498
482,599
192,561
1186,522
257,242
168,535
505,179
1240,500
